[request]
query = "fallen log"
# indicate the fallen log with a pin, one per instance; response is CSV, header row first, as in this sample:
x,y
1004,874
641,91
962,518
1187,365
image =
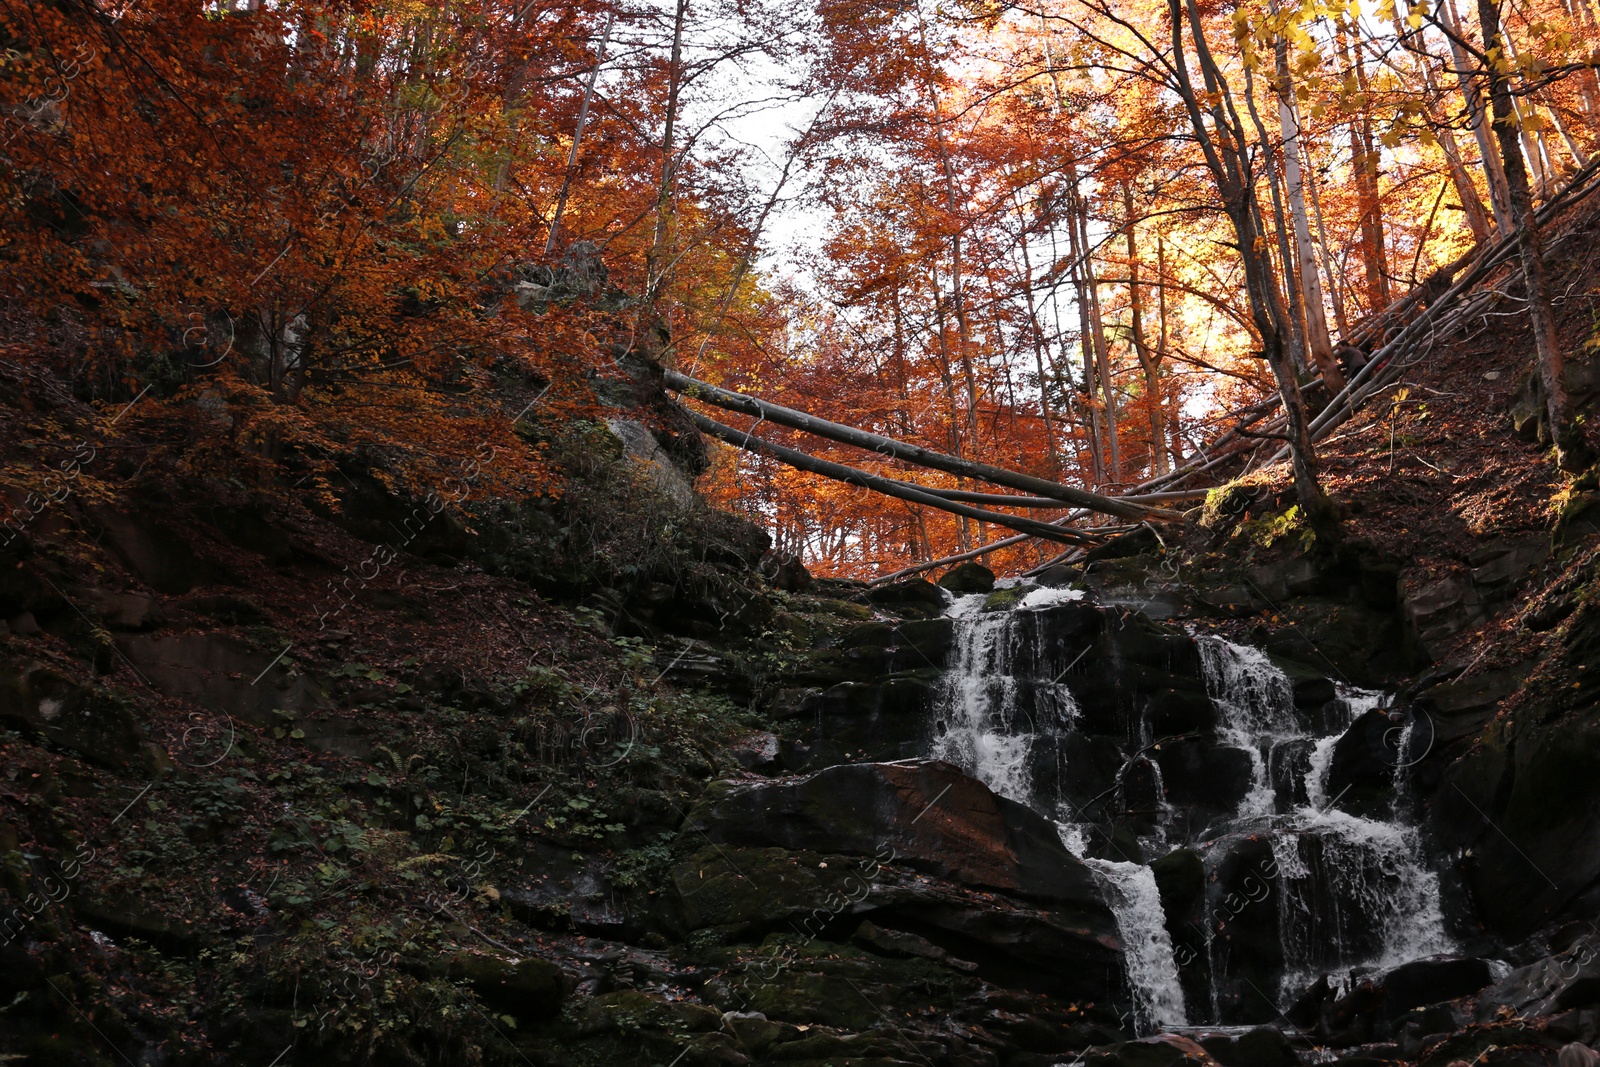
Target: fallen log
x,y
915,454
878,484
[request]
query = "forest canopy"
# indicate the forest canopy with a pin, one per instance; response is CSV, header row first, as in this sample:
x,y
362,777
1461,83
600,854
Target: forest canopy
x,y
1073,238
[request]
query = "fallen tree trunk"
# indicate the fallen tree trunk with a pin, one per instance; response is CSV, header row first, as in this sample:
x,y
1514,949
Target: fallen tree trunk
x,y
915,454
886,486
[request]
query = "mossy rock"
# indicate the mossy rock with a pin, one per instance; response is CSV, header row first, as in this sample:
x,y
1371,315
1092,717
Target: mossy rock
x,y
969,577
913,598
630,1010
526,988
734,890
1004,599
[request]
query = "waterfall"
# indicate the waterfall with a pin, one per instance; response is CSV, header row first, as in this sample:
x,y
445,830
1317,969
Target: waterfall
x,y
1355,891
983,721
1256,702
1152,966
1352,891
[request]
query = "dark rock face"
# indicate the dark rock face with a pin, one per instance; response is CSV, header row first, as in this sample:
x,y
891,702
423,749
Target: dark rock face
x,y
916,863
216,671
913,598
98,726
968,577
935,819
1524,805
1364,762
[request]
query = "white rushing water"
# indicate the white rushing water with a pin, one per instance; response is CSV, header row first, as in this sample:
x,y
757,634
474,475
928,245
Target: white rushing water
x,y
1353,891
986,729
1256,704
1147,947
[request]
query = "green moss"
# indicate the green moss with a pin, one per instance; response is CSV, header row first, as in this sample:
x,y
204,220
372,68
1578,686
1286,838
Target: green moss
x,y
1004,599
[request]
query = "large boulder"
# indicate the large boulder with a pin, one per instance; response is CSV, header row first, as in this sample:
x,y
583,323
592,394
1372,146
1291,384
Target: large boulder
x,y
933,817
968,577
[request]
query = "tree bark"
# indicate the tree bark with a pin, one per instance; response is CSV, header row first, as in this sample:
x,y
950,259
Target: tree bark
x,y
1318,344
878,484
1494,171
910,453
1147,359
1572,452
1229,161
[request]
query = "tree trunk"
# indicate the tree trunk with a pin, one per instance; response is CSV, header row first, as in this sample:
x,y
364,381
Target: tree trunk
x,y
923,457
1102,350
1572,452
656,268
1037,333
1163,339
1147,359
1318,344
1085,334
1335,289
1494,171
1228,158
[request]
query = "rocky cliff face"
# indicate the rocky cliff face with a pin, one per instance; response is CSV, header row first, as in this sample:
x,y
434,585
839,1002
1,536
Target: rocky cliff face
x,y
593,783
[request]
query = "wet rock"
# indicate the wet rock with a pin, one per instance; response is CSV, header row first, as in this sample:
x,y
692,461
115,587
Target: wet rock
x,y
1364,760
1562,982
1060,576
1181,880
913,598
1165,1050
920,644
1202,774
968,577
1242,909
931,816
1432,980
1264,1046
1525,817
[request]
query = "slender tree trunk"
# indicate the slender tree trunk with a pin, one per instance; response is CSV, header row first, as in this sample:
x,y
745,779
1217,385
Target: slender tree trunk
x,y
1335,288
1572,451
1228,158
1163,342
1037,333
577,139
1085,333
1148,360
1493,169
1318,344
1102,350
656,265
1364,162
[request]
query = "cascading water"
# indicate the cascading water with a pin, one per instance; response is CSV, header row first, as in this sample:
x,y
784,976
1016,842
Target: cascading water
x,y
1152,965
982,725
1351,891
